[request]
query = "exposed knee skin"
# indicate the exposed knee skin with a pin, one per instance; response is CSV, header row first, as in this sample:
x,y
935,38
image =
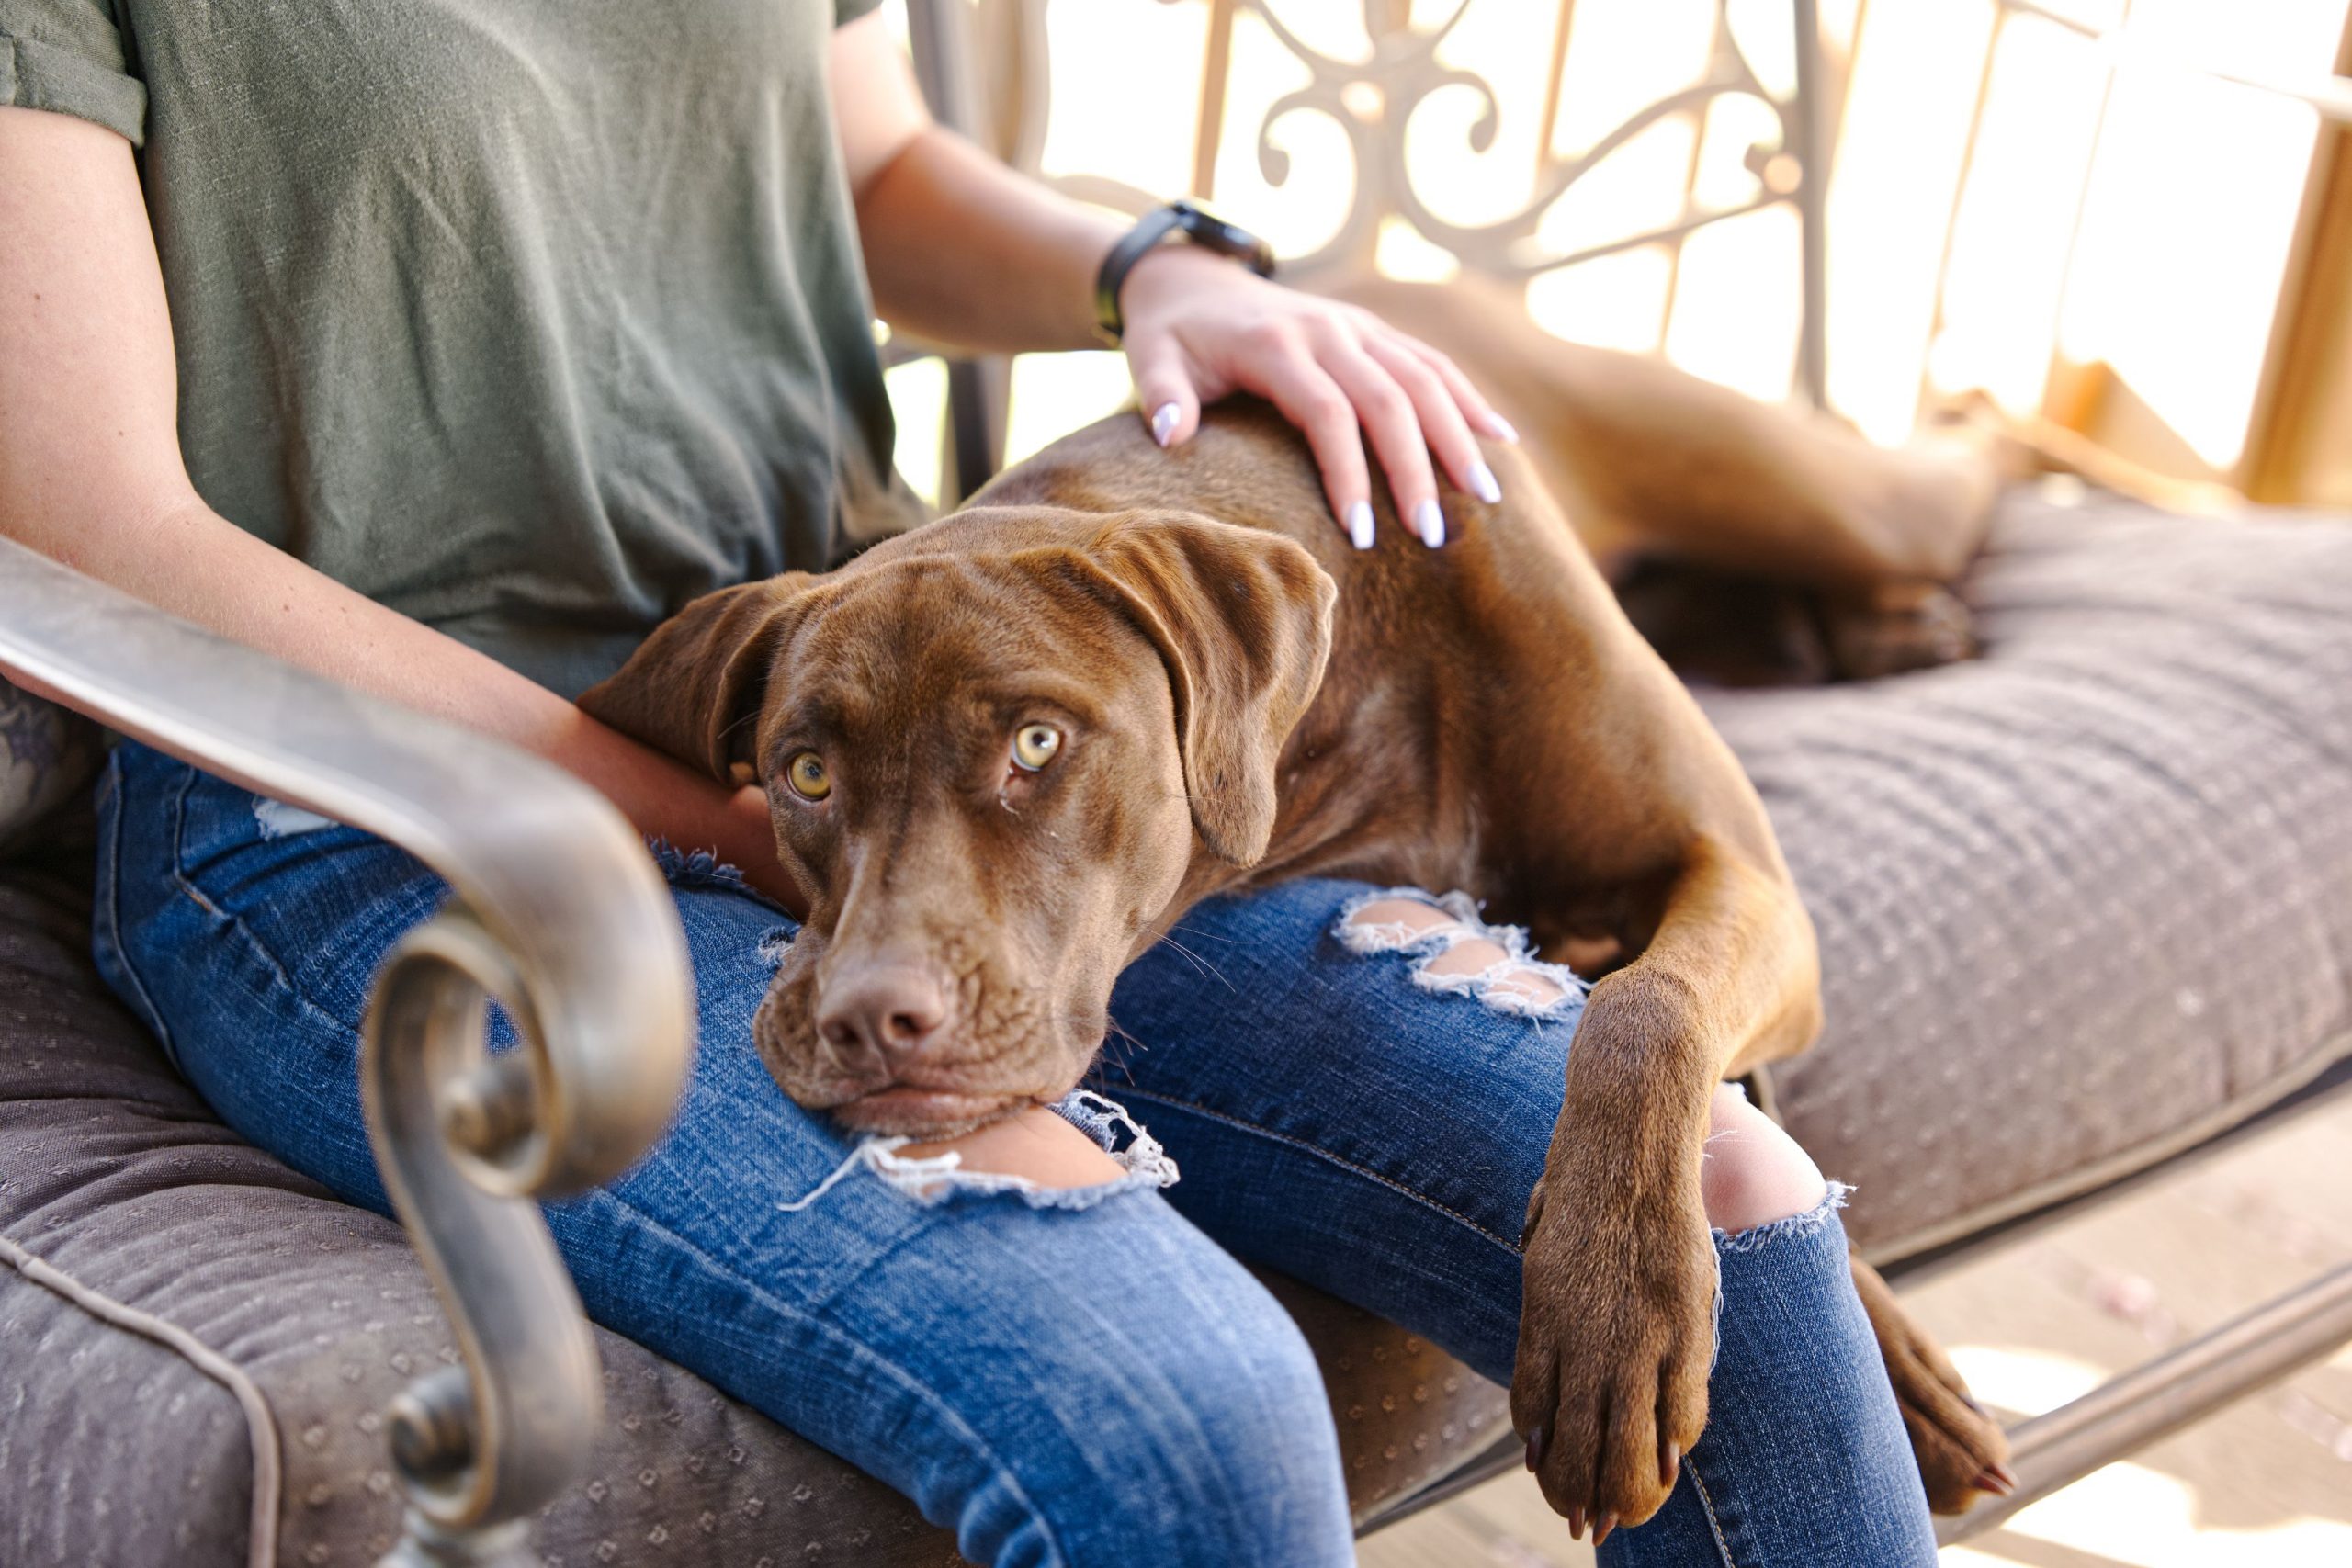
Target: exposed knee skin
x,y
1409,919
1413,916
1034,1143
1754,1173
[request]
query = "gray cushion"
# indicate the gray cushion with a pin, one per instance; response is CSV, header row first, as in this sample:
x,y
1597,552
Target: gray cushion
x,y
120,1199
46,754
2089,897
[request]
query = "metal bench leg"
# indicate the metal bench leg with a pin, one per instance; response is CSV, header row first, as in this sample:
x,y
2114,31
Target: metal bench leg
x,y
2127,1413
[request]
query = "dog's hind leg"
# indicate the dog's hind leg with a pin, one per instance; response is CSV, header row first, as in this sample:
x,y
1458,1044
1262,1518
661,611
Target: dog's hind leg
x,y
1648,457
1961,1448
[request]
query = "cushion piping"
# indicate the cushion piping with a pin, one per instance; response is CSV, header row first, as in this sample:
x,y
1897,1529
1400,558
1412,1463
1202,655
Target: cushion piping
x,y
261,1551
2119,1165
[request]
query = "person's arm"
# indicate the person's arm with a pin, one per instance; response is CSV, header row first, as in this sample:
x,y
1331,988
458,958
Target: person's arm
x,y
91,475
962,251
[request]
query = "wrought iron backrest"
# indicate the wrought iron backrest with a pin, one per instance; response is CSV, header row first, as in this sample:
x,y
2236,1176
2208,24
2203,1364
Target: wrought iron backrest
x,y
983,66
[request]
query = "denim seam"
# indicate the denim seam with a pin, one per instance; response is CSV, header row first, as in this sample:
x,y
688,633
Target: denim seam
x,y
152,1017
235,922
1323,1154
1714,1526
861,1351
179,847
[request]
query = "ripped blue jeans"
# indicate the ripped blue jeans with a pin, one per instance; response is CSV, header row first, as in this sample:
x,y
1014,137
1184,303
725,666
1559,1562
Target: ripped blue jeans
x,y
1072,1380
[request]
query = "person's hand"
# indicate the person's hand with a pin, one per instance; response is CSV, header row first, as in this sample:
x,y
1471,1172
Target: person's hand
x,y
1199,327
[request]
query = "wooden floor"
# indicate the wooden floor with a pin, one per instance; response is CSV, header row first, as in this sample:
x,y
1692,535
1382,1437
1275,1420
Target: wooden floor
x,y
2267,1484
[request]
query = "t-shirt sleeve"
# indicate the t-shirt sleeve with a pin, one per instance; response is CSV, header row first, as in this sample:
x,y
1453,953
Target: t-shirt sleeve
x,y
847,11
68,56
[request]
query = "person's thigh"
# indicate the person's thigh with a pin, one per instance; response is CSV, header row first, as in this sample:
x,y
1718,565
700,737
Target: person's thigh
x,y
1344,1111
1062,1381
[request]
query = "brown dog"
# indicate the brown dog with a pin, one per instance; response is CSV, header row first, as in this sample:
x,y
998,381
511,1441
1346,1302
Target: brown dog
x,y
1006,750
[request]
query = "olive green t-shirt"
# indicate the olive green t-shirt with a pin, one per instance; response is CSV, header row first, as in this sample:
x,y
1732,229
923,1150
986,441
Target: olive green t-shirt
x,y
529,320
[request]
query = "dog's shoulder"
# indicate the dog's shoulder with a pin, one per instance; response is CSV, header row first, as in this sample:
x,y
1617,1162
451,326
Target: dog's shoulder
x,y
1245,465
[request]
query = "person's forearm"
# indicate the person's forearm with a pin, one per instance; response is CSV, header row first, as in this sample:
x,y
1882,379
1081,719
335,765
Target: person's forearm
x,y
193,563
1025,255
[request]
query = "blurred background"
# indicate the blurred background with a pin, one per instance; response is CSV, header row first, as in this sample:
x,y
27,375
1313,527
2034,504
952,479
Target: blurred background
x,y
2126,223
2125,215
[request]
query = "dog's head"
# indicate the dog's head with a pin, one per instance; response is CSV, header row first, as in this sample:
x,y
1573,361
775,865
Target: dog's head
x,y
991,749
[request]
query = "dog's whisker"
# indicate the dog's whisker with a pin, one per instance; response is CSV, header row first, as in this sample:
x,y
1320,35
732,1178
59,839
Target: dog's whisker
x,y
1161,935
1114,1033
1200,963
1206,936
1186,952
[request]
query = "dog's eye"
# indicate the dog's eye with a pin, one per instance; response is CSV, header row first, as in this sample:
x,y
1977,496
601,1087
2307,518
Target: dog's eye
x,y
807,775
1035,745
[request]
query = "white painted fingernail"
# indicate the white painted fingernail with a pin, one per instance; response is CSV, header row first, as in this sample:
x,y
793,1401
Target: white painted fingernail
x,y
1499,428
1483,485
1429,523
1163,423
1359,524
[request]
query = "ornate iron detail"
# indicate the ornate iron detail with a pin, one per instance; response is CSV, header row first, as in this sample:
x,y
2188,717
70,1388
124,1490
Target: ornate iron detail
x,y
1373,103
558,913
461,1145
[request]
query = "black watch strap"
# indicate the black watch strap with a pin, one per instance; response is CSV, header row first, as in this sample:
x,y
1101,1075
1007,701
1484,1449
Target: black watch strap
x,y
1206,230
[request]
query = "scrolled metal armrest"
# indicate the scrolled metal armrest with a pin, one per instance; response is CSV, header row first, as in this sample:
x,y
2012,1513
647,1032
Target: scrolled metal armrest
x,y
557,912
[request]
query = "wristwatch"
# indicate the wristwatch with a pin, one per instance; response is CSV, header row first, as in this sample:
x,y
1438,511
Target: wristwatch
x,y
1181,218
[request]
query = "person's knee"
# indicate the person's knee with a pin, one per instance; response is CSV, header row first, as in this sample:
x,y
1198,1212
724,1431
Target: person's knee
x,y
1036,1144
1218,1435
1754,1173
1471,953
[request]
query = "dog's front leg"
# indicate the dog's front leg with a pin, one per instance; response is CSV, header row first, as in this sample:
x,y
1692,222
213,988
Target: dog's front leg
x,y
1617,1322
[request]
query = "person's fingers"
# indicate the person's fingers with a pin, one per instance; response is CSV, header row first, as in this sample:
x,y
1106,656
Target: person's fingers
x,y
1165,395
1442,424
1291,379
1387,416
1466,396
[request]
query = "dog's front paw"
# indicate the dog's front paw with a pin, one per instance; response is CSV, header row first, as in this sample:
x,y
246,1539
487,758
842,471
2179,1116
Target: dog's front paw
x,y
1616,1334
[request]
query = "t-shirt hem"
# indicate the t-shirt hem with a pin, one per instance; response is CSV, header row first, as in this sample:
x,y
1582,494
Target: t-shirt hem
x,y
35,75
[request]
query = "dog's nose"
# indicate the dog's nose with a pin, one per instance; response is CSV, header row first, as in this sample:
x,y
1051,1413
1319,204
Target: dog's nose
x,y
887,1012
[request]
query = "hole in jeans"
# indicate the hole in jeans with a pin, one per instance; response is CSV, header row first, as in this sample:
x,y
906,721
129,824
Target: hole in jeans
x,y
938,1178
1457,951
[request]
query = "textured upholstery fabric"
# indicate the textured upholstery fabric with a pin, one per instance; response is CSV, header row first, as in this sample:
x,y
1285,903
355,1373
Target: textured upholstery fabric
x,y
46,753
114,1448
2087,892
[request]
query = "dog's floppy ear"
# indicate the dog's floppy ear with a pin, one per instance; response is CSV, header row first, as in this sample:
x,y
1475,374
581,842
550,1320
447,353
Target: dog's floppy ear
x,y
1242,618
693,688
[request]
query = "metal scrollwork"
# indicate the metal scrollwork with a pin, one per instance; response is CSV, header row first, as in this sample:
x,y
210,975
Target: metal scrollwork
x,y
1374,101
557,913
459,1137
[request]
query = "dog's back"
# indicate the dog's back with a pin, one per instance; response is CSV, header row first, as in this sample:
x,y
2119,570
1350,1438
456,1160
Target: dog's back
x,y
1488,719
